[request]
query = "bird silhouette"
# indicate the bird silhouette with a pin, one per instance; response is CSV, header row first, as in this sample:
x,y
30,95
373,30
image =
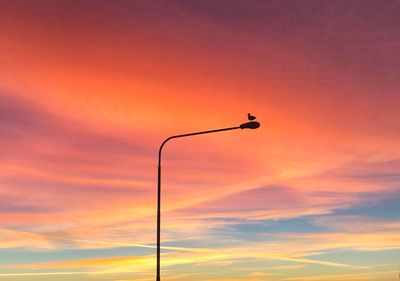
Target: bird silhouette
x,y
251,117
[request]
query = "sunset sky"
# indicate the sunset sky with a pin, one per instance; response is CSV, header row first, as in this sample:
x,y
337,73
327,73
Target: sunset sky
x,y
89,89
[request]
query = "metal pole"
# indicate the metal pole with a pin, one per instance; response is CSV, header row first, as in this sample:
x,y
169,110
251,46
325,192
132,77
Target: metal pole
x,y
158,221
158,277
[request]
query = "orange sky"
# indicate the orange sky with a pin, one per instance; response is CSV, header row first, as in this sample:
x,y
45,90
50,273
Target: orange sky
x,y
89,89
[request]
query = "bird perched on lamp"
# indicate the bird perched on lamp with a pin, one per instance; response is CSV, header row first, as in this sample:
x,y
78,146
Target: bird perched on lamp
x,y
251,117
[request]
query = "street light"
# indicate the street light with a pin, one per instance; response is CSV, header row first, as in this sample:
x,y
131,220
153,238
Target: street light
x,y
248,125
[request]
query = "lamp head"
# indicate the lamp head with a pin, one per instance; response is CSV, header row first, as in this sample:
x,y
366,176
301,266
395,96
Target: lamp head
x,y
250,125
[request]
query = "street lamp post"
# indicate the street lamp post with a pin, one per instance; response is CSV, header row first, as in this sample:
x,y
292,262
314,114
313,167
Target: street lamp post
x,y
248,125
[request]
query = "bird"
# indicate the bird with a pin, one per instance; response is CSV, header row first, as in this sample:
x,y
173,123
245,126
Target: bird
x,y
251,117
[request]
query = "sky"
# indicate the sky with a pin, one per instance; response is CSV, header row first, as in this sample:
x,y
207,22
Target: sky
x,y
89,90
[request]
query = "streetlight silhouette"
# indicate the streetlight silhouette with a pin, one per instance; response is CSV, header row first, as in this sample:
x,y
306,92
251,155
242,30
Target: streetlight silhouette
x,y
248,125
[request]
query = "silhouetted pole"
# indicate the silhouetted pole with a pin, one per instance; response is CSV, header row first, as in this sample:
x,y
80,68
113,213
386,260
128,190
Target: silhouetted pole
x,y
248,125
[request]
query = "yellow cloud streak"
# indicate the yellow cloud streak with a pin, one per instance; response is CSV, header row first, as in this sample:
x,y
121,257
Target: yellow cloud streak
x,y
185,249
97,262
356,276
